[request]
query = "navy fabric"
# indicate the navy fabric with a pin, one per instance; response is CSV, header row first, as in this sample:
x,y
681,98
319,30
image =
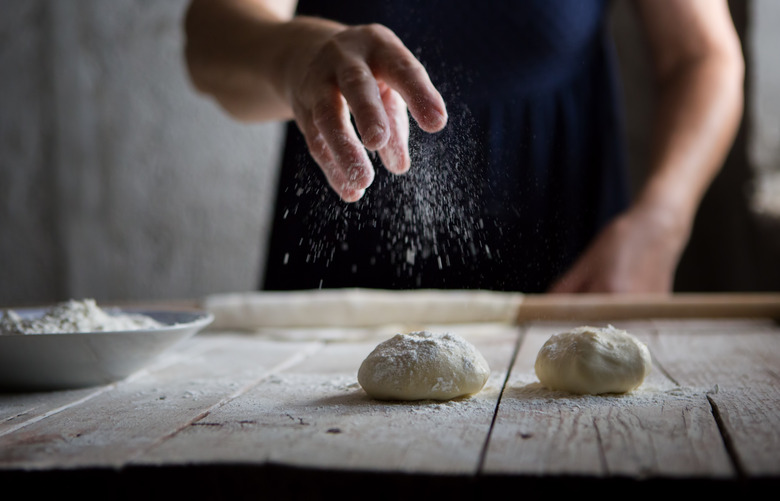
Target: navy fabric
x,y
530,166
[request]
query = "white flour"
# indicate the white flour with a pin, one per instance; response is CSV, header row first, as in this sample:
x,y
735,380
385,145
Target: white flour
x,y
74,316
428,219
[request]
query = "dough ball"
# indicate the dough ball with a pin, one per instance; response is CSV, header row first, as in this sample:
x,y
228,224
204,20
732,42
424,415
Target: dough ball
x,y
423,365
593,360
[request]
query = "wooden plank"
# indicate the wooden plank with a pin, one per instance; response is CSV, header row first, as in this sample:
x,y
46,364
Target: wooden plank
x,y
739,365
16,409
115,426
659,430
315,415
590,307
244,399
19,409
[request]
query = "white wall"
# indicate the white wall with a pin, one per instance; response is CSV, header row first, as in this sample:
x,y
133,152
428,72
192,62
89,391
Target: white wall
x,y
118,181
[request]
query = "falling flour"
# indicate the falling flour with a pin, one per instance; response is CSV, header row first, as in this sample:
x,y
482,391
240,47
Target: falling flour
x,y
431,215
74,316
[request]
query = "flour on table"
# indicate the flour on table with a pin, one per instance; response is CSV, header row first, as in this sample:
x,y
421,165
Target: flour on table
x,y
74,316
423,365
591,360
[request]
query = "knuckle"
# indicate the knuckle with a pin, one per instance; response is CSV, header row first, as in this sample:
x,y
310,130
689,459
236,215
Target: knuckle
x,y
408,67
372,32
354,75
335,49
317,146
378,32
323,111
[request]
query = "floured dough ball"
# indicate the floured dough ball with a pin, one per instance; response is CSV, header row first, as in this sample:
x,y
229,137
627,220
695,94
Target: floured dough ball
x,y
593,360
423,365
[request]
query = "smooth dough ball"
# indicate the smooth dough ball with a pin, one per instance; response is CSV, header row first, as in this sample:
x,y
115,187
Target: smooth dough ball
x,y
593,360
423,365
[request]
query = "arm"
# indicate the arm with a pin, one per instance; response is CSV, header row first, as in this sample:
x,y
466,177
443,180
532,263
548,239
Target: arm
x,y
699,67
260,62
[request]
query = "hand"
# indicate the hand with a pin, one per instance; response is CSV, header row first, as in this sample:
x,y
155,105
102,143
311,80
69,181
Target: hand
x,y
365,70
637,252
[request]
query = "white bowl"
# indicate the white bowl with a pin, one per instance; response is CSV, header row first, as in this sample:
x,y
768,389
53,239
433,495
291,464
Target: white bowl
x,y
73,360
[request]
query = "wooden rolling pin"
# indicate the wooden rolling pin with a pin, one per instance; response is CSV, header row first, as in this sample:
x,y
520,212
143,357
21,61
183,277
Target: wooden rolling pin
x,y
637,306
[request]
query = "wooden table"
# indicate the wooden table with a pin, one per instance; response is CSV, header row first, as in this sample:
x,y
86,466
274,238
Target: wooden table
x,y
234,414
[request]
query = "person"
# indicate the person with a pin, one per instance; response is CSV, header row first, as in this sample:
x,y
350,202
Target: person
x,y
512,175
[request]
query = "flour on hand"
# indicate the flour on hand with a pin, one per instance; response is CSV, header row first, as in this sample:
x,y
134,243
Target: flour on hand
x,y
593,360
74,316
423,365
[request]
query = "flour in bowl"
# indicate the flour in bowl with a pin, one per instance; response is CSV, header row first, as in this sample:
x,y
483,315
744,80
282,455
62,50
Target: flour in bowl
x,y
74,316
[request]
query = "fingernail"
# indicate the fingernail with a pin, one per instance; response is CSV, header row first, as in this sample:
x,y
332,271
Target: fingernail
x,y
396,161
353,195
376,136
441,118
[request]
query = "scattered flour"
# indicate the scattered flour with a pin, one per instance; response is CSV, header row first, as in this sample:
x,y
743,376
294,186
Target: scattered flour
x,y
427,219
74,316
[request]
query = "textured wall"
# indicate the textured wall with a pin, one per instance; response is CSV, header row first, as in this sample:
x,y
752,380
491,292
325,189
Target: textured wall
x,y
118,181
28,245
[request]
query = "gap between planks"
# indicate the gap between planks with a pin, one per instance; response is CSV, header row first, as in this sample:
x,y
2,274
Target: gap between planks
x,y
522,329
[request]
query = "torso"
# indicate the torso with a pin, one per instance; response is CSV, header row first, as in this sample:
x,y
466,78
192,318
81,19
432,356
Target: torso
x,y
529,167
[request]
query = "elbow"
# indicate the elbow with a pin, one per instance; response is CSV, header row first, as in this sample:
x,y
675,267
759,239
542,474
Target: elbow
x,y
218,63
716,66
731,63
194,57
732,60
197,70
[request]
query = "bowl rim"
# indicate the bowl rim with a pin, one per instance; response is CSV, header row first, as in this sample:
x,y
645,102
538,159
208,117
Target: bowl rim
x,y
199,319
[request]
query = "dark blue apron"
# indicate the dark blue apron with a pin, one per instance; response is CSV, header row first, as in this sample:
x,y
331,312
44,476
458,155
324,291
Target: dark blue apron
x,y
530,166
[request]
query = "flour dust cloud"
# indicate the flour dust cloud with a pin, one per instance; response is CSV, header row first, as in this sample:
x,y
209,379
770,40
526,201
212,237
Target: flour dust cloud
x,y
424,219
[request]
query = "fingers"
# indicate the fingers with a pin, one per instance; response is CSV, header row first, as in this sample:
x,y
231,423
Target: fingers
x,y
361,91
394,64
331,118
395,154
367,72
335,147
388,60
424,101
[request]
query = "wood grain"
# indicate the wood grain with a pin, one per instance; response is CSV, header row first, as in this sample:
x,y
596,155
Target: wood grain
x,y
740,369
708,410
112,428
656,431
591,307
315,415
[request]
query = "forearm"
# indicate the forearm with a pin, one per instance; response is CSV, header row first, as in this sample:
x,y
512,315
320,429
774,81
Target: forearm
x,y
699,110
698,114
700,74
244,54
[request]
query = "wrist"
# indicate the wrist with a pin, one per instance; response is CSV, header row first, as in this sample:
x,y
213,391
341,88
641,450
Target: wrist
x,y
663,220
